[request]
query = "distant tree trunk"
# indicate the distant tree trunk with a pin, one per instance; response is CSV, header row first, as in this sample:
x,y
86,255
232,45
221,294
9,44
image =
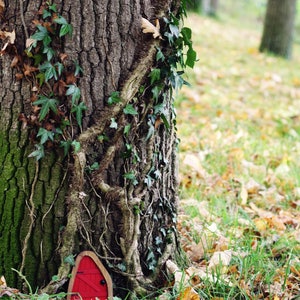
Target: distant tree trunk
x,y
278,30
124,209
194,5
210,7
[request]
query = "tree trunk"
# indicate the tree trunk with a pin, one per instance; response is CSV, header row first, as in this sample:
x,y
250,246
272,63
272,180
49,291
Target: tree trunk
x,y
210,7
124,209
278,28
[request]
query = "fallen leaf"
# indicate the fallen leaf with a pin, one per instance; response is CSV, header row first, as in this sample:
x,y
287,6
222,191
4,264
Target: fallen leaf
x,y
2,278
29,42
150,28
193,161
10,36
220,259
188,294
244,195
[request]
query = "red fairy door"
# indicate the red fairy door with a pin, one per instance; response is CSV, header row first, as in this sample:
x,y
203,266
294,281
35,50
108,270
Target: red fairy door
x,y
90,280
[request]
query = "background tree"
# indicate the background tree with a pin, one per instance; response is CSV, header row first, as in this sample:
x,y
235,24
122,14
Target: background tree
x,y
210,7
97,105
278,27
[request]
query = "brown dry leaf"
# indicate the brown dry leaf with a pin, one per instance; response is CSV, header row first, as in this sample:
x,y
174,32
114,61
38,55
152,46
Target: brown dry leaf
x,y
29,42
220,259
189,294
295,271
9,37
28,70
2,278
261,224
193,161
15,61
196,251
244,195
150,28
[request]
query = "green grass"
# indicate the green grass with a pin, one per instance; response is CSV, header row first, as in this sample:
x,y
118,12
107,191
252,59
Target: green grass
x,y
239,127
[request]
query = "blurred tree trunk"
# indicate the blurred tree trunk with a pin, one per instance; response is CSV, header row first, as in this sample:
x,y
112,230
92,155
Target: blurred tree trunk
x,y
194,5
125,209
278,29
210,7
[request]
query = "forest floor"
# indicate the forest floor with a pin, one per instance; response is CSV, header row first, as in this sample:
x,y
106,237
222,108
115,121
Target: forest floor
x,y
239,126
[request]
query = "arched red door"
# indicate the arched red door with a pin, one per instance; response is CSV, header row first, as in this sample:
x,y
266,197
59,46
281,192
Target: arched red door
x,y
90,280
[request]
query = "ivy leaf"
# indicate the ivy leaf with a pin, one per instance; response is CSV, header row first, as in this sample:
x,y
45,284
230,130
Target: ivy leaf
x,y
38,153
66,28
114,98
46,104
70,260
156,91
59,67
130,110
46,14
159,55
40,34
49,51
49,70
60,20
130,175
127,129
76,146
154,75
174,30
75,92
66,146
186,35
166,123
191,57
45,135
78,109
78,69
113,123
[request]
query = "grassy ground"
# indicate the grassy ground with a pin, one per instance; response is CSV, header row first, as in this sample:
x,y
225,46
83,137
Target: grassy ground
x,y
239,127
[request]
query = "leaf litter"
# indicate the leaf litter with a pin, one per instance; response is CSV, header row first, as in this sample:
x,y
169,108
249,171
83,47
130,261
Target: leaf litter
x,y
239,128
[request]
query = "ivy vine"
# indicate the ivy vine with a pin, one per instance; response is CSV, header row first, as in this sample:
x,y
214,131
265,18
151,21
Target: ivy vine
x,y
56,98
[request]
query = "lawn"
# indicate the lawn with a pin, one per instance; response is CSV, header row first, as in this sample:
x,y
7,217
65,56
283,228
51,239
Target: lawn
x,y
239,127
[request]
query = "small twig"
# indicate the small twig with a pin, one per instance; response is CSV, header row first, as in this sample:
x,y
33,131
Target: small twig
x,y
23,19
30,205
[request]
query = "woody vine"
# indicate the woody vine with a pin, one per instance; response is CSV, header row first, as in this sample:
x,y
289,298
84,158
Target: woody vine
x,y
55,115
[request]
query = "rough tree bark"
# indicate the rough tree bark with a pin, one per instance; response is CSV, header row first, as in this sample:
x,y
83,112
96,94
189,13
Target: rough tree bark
x,y
53,208
278,30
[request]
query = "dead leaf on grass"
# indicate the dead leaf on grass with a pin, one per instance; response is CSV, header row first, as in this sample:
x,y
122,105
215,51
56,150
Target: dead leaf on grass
x,y
220,259
188,294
